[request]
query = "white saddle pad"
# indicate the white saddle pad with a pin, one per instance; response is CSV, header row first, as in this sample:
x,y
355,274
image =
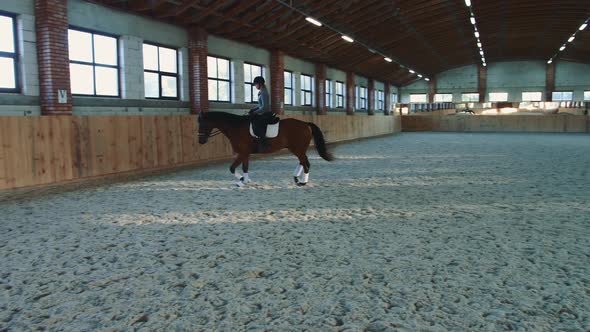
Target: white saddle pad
x,y
272,131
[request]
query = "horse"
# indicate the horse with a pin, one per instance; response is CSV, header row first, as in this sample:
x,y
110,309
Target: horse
x,y
294,135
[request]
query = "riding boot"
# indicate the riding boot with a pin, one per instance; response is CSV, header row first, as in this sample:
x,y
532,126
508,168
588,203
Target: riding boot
x,y
263,144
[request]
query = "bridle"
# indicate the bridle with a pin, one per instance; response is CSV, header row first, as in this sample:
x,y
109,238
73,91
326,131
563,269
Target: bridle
x,y
211,134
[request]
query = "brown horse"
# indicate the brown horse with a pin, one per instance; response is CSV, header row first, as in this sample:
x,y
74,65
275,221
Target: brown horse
x,y
294,135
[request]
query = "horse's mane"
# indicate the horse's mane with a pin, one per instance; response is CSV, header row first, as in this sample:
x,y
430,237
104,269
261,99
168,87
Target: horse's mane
x,y
225,117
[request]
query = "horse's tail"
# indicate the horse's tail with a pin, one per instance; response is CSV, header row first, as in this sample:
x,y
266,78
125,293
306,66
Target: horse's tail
x,y
320,142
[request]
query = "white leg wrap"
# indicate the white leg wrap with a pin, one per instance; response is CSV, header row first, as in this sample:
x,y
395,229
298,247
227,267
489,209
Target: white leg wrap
x,y
246,178
298,170
305,177
237,175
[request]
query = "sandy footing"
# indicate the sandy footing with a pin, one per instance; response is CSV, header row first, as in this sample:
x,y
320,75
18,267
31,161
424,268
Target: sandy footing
x,y
415,232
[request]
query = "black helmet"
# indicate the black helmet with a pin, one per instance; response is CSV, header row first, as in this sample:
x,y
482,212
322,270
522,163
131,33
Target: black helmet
x,y
258,80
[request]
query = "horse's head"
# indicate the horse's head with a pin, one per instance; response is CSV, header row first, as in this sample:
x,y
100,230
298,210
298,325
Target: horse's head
x,y
204,129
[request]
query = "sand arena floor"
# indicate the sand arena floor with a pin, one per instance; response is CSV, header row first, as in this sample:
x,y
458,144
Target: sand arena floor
x,y
414,232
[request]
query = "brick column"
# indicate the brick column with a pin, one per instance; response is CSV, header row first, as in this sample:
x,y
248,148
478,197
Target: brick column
x,y
550,82
51,21
350,93
431,90
387,101
371,97
320,88
482,78
277,81
197,71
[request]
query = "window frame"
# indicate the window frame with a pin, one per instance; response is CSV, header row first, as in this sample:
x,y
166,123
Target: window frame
x,y
250,84
339,97
329,86
94,64
393,100
497,101
360,100
304,92
419,94
532,101
177,75
560,100
380,100
14,56
290,89
469,93
221,79
443,94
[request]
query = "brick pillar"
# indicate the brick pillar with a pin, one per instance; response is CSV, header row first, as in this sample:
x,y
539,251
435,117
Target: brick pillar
x,y
197,71
371,97
482,78
350,93
51,21
431,90
277,81
550,82
320,90
387,101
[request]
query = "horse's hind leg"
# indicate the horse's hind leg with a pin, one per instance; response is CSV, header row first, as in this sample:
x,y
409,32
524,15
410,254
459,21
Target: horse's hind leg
x,y
302,167
245,165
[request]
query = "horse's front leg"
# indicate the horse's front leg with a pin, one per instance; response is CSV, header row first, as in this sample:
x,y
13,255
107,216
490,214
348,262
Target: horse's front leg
x,y
245,165
237,174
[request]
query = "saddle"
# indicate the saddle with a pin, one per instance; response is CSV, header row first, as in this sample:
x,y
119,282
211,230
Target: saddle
x,y
272,127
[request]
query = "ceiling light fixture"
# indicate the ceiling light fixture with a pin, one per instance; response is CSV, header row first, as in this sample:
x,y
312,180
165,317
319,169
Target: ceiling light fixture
x,y
468,3
472,20
313,21
562,48
583,26
388,59
348,39
571,39
411,71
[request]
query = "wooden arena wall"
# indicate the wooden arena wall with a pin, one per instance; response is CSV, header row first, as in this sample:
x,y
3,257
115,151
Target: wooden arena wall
x,y
498,123
53,149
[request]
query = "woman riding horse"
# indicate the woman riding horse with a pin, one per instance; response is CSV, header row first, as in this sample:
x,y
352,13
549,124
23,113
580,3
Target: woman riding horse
x,y
294,135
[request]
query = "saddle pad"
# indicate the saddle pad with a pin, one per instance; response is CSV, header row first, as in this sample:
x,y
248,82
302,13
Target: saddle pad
x,y
272,130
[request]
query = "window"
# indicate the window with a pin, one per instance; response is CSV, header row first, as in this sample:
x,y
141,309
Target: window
x,y
470,97
379,100
443,98
8,55
160,72
361,97
532,96
329,94
563,96
94,64
250,92
306,90
498,96
418,98
339,94
218,73
586,95
393,98
288,88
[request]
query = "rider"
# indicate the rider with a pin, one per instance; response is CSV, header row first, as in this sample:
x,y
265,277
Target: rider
x,y
261,114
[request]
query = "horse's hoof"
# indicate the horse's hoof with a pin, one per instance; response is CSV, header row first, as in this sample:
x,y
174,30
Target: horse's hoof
x,y
296,179
301,184
240,184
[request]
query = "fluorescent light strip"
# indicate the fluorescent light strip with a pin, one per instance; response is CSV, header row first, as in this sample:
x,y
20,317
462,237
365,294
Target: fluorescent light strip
x,y
348,39
472,20
468,3
388,59
313,21
569,40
